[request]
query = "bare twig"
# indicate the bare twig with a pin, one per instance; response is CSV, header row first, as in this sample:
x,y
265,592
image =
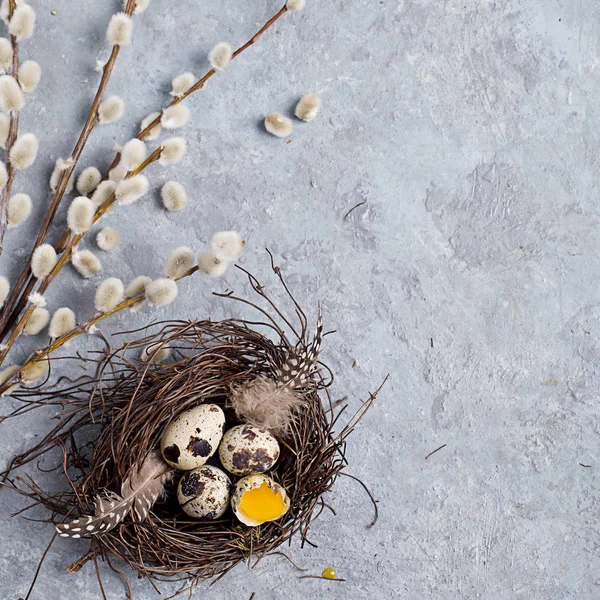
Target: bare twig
x,y
436,450
353,208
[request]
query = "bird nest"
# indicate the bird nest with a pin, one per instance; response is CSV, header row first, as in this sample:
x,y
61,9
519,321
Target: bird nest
x,y
111,418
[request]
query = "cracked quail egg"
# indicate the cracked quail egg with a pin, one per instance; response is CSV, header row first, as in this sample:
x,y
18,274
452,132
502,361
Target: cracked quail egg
x,y
258,499
245,449
193,437
204,492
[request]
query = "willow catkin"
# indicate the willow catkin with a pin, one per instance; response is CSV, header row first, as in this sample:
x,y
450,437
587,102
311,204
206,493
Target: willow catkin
x,y
88,180
35,372
61,166
62,322
155,353
140,5
37,321
172,151
108,238
11,96
173,195
19,209
308,107
103,192
86,263
118,173
4,129
179,262
295,4
130,190
80,216
109,293
37,299
29,75
120,30
279,125
4,289
3,176
174,117
134,153
22,23
227,245
181,84
161,292
111,110
154,133
220,56
210,265
6,54
24,151
137,287
43,261
7,374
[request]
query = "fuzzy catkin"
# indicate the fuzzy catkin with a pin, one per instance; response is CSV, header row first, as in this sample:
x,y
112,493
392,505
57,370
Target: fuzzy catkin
x,y
295,4
220,56
80,216
85,263
6,54
111,110
29,75
118,173
109,293
308,107
62,322
155,353
140,5
4,289
37,299
176,116
61,165
37,321
161,292
210,265
24,151
4,129
174,196
130,190
43,261
227,245
108,238
179,262
35,371
181,84
19,209
5,375
154,133
3,176
134,153
120,30
11,96
103,192
22,23
279,125
137,287
88,181
173,150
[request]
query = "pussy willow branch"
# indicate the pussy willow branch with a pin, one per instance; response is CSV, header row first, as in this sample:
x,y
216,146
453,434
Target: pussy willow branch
x,y
25,280
68,245
82,328
13,130
64,259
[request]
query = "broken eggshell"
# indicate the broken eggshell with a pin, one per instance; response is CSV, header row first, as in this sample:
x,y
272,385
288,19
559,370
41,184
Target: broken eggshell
x,y
193,437
245,449
204,492
258,499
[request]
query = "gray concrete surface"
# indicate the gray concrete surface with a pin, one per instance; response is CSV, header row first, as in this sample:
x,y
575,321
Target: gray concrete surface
x,y
470,130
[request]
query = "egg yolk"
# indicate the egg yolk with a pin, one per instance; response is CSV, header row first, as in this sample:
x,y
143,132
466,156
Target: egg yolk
x,y
329,573
262,504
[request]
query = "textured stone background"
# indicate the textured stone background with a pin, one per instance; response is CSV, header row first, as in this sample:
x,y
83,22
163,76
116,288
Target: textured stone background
x,y
469,129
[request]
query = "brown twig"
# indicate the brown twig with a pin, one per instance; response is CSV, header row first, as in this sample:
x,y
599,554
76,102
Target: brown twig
x,y
436,450
353,208
13,131
26,282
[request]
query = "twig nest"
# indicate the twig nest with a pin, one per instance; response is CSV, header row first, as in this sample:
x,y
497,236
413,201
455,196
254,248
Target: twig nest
x,y
193,437
279,125
30,74
227,245
154,133
108,239
204,493
258,499
245,449
19,209
161,292
11,96
308,107
86,263
173,195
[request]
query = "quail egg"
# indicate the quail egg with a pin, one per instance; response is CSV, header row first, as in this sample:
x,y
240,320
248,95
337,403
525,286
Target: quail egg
x,y
258,499
245,449
193,437
204,492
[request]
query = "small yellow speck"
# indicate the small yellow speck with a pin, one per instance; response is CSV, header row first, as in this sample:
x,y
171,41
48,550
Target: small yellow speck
x,y
329,573
53,13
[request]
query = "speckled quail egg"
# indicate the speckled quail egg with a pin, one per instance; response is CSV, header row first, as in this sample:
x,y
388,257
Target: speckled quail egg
x,y
245,449
258,499
193,437
204,492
